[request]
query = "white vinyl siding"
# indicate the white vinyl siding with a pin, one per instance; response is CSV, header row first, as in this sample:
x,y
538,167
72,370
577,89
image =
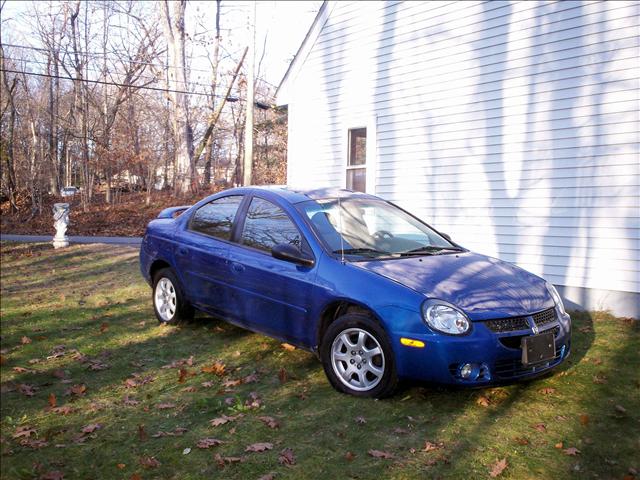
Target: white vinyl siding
x,y
514,127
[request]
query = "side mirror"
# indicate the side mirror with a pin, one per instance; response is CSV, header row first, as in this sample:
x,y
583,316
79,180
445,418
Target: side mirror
x,y
289,253
446,236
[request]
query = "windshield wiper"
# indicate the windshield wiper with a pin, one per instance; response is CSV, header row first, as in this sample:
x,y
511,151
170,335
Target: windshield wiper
x,y
358,251
427,249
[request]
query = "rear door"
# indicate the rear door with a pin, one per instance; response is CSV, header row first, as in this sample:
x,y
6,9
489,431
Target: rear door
x,y
202,253
272,295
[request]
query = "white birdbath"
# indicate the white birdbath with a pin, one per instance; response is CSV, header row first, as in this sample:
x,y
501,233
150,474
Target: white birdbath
x,y
61,222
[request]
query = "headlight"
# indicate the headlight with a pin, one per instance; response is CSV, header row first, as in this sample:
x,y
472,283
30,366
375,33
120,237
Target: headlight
x,y
556,298
444,317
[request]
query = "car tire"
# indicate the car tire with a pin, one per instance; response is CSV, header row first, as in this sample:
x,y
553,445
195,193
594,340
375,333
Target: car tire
x,y
168,300
357,357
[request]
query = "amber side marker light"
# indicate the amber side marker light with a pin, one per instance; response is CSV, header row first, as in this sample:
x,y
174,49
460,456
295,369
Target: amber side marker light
x,y
410,342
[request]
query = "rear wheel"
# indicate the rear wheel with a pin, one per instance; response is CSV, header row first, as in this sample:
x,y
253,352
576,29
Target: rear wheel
x,y
357,357
169,304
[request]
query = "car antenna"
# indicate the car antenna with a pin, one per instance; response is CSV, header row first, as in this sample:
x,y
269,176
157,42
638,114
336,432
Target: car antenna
x,y
341,237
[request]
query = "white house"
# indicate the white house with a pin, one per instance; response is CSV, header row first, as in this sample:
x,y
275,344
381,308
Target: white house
x,y
512,126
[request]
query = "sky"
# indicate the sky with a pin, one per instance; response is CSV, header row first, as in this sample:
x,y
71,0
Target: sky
x,y
283,24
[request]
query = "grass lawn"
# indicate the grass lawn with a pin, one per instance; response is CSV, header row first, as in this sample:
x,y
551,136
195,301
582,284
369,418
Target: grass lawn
x,y
92,387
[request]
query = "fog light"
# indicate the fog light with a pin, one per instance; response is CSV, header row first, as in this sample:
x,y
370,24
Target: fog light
x,y
465,371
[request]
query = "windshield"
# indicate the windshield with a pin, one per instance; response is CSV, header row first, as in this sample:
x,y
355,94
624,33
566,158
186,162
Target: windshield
x,y
367,228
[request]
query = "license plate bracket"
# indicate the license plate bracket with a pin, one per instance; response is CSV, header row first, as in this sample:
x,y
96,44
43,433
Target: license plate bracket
x,y
538,348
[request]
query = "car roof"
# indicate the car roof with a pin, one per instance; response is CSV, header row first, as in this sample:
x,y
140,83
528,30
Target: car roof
x,y
297,195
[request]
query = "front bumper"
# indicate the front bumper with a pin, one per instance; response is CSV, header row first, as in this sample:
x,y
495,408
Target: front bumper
x,y
497,354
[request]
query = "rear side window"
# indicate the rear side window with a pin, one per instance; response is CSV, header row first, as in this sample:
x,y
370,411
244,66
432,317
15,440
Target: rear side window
x,y
216,217
268,225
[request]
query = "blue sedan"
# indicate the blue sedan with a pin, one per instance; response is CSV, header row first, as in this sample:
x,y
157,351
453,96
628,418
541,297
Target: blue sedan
x,y
375,292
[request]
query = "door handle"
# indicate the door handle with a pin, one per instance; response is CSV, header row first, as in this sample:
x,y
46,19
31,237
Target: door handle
x,y
237,267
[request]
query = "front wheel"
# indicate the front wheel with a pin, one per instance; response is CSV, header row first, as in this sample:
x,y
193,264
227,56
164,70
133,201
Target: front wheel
x,y
357,357
169,304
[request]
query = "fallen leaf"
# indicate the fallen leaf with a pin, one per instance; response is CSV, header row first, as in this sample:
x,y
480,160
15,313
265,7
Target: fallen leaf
x,y
3,360
22,370
584,419
149,462
620,409
186,451
177,432
600,378
33,443
208,443
120,465
282,375
572,451
142,434
428,446
521,440
63,410
52,400
559,445
541,427
361,420
547,390
165,406
251,378
189,389
288,347
483,401
498,467
350,456
25,340
27,390
222,461
92,427
58,373
208,384
268,476
269,422
24,431
217,368
216,422
259,447
129,402
182,374
79,389
287,457
104,327
137,381
380,454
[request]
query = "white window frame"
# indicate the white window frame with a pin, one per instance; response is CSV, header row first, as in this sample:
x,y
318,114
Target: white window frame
x,y
370,124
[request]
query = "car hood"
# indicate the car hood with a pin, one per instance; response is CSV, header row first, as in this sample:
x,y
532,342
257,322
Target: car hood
x,y
483,287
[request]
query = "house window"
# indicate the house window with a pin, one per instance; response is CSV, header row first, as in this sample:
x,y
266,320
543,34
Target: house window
x,y
357,160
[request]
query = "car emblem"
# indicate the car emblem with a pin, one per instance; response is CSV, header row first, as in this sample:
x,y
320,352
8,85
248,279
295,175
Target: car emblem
x,y
533,325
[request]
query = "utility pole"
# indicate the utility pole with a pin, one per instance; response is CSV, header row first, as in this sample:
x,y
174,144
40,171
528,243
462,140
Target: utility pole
x,y
248,127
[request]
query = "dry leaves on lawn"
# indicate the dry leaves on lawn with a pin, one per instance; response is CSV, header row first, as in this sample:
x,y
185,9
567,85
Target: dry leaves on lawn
x,y
287,457
483,401
269,422
216,422
498,467
222,461
217,368
208,443
259,447
541,427
177,432
428,446
380,454
27,390
24,431
547,390
165,406
571,451
149,462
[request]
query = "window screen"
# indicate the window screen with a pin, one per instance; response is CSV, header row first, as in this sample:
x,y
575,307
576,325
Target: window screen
x,y
356,163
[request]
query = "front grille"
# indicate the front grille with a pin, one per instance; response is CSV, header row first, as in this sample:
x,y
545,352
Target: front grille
x,y
514,324
514,368
544,318
507,324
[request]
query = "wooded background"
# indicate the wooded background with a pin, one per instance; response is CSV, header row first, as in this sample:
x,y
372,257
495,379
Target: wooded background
x,y
106,102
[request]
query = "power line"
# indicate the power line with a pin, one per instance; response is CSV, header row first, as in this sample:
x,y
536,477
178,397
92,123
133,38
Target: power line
x,y
103,54
100,71
115,84
260,105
